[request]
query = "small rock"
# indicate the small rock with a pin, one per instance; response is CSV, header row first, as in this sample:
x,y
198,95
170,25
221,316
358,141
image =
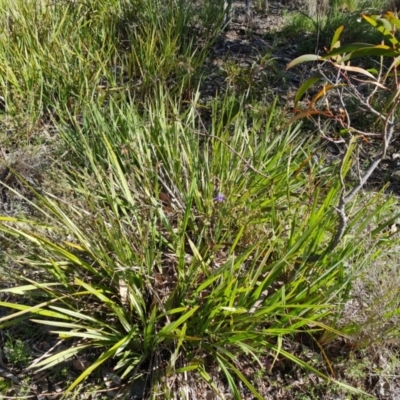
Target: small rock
x,y
81,363
111,379
57,388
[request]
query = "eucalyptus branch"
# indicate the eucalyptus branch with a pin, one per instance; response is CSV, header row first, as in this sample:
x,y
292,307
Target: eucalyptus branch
x,y
343,81
387,136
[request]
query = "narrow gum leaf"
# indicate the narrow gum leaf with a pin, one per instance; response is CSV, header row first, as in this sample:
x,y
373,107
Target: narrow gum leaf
x,y
321,93
335,40
390,16
303,114
386,25
304,87
354,48
302,59
355,69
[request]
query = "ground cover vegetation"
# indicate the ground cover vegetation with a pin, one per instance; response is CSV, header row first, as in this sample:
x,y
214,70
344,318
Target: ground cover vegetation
x,y
173,226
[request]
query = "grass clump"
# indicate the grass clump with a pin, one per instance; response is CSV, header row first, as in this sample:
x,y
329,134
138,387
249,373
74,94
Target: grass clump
x,y
187,246
184,237
67,52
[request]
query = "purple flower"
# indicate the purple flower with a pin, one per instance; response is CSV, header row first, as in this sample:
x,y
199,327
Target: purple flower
x,y
220,198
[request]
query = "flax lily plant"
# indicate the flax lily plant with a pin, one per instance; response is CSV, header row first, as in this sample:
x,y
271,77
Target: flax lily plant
x,y
182,234
184,249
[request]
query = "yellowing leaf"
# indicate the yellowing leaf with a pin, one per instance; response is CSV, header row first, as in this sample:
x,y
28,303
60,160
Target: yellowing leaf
x,y
335,43
354,69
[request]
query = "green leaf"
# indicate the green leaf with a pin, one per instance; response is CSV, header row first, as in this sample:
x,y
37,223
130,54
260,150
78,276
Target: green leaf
x,y
169,328
309,368
76,315
305,86
383,26
392,99
98,337
208,282
356,50
189,367
58,358
119,310
206,376
222,361
392,18
104,357
37,310
27,288
70,325
302,59
231,381
335,39
119,173
376,51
